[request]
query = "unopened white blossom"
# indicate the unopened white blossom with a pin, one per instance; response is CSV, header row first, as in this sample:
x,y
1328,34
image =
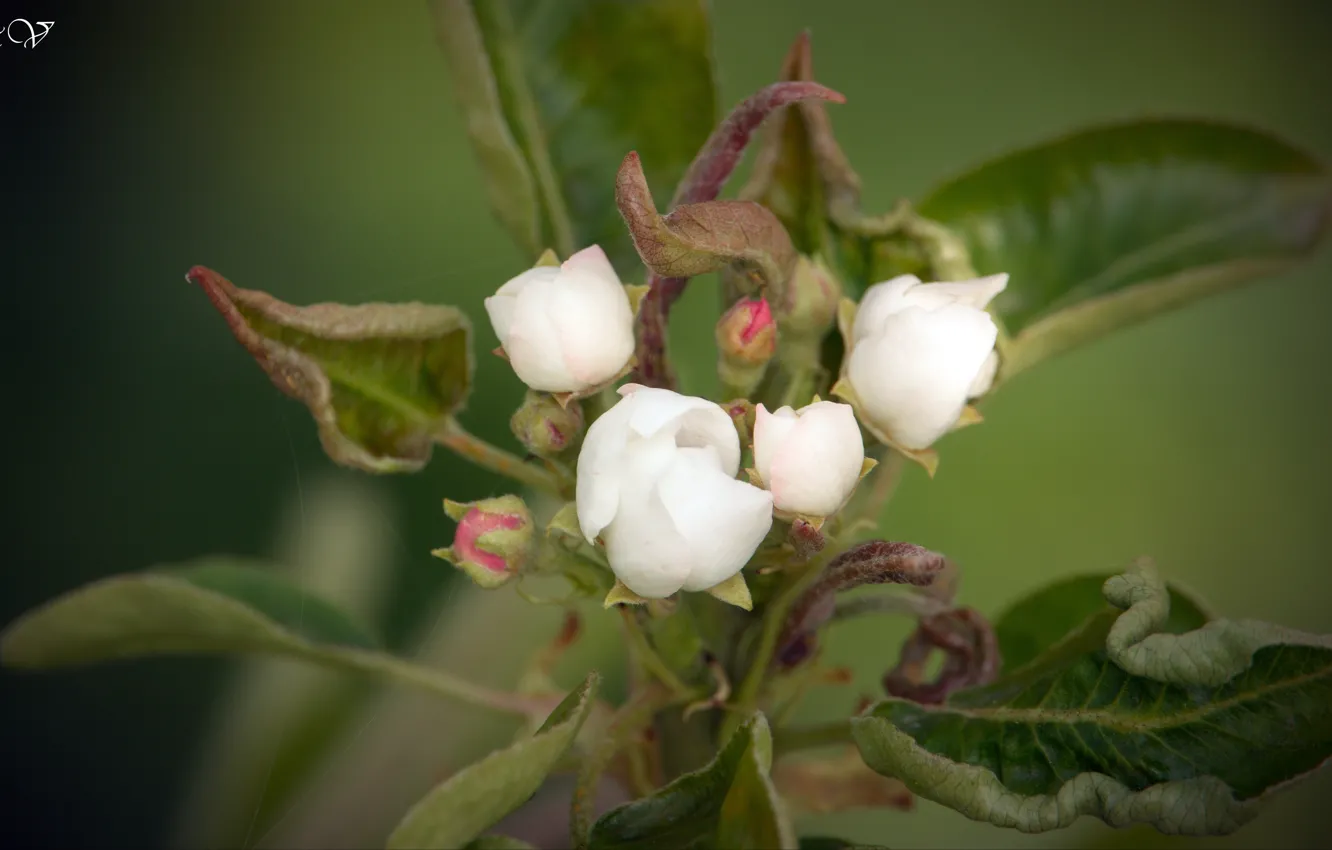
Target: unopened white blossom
x,y
656,482
919,351
809,459
565,328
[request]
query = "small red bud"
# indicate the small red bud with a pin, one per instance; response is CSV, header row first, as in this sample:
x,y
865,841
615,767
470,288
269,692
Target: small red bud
x,y
747,333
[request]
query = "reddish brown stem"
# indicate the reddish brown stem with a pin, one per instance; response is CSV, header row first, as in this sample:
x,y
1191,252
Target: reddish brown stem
x,y
703,182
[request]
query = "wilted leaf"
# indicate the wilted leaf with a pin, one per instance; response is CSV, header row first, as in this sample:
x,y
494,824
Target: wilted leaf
x,y
1037,622
829,785
1189,733
555,93
379,379
1112,225
216,607
471,801
695,239
730,802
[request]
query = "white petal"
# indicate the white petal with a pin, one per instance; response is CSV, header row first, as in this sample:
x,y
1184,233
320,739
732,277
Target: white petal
x,y
984,379
533,346
723,520
879,302
644,546
594,324
976,293
592,261
693,421
600,467
770,433
819,464
500,310
540,275
912,379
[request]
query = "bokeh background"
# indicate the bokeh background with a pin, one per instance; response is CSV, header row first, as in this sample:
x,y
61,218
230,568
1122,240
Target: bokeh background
x,y
313,149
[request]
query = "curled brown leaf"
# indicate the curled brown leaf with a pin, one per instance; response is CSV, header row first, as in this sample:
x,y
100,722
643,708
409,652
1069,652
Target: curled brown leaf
x,y
971,657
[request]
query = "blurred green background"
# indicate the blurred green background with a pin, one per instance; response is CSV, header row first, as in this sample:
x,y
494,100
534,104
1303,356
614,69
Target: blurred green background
x,y
314,150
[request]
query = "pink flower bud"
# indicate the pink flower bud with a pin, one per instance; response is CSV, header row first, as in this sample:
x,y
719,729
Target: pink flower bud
x,y
746,333
493,540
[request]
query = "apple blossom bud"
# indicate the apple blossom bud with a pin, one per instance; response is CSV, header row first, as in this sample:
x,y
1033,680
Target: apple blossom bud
x,y
656,483
808,303
741,411
493,540
918,351
566,328
746,332
545,427
746,341
811,458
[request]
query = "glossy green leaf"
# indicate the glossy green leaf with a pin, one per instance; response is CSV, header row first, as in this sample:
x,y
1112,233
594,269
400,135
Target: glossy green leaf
x,y
471,801
550,114
215,607
1112,225
379,379
731,802
1037,622
1189,733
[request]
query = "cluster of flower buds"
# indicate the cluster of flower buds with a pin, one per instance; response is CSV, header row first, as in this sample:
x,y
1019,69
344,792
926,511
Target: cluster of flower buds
x,y
657,474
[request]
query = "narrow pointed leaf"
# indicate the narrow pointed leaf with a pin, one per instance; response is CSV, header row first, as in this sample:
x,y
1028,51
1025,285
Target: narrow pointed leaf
x,y
556,93
1037,622
217,606
379,379
471,801
730,802
1112,225
1190,733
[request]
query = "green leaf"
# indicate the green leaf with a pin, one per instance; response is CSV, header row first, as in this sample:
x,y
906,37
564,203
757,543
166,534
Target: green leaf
x,y
555,94
471,801
1037,622
1189,733
215,607
731,802
379,379
1112,225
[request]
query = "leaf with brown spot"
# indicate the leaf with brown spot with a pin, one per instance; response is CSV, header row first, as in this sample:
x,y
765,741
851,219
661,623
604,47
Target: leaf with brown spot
x,y
823,786
699,238
379,379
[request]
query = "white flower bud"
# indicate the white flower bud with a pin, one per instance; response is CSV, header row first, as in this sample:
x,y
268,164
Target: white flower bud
x,y
565,328
919,351
656,481
809,459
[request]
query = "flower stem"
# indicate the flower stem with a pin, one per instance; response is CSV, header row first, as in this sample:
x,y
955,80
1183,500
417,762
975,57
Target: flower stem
x,y
747,696
648,657
478,451
792,738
